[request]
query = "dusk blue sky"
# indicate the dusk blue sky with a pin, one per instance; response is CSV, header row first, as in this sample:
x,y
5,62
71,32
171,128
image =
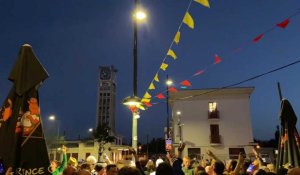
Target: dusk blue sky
x,y
72,38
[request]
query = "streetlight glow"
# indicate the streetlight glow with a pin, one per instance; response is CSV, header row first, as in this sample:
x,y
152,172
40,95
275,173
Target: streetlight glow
x,y
169,82
132,101
91,130
52,117
140,15
178,112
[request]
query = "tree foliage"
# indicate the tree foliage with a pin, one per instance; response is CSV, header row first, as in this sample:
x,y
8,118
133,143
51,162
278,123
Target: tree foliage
x,y
102,134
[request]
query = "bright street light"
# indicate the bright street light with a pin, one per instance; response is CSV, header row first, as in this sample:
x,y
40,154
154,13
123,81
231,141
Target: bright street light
x,y
169,82
52,117
132,101
90,129
140,15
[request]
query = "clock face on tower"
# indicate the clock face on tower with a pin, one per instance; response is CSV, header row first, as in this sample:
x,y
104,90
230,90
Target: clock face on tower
x,y
105,74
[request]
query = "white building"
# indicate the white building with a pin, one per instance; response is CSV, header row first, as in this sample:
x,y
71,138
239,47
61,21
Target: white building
x,y
212,119
81,149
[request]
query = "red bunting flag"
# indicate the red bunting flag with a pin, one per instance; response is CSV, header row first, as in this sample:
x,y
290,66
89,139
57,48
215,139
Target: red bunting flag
x,y
185,83
217,59
172,89
160,96
256,39
283,24
147,104
133,108
199,72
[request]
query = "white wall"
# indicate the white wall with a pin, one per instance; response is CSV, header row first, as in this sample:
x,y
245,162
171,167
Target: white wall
x,y
234,124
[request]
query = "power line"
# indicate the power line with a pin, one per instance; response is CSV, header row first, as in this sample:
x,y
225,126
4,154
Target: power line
x,y
243,81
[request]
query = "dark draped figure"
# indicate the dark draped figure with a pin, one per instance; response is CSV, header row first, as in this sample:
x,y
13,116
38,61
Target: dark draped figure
x,y
288,146
23,147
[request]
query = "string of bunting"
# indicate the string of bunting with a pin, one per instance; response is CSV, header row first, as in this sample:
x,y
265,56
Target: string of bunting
x,y
238,83
188,20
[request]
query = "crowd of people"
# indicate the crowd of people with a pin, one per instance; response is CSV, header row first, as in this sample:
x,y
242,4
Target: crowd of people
x,y
171,164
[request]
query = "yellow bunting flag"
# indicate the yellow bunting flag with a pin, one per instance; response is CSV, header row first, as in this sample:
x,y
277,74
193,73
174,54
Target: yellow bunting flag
x,y
156,78
177,37
147,95
172,54
203,2
147,100
188,20
163,66
141,107
151,87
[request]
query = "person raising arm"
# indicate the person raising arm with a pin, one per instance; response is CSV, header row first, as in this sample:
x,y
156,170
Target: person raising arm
x,y
55,169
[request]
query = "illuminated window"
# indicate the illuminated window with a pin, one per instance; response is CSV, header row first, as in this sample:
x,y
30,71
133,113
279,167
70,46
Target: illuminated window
x,y
212,106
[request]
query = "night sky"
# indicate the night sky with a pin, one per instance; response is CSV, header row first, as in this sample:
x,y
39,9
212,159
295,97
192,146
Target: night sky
x,y
72,38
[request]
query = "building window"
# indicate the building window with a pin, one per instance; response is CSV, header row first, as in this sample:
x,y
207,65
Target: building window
x,y
57,156
234,152
212,106
51,156
75,155
214,134
194,153
87,155
213,112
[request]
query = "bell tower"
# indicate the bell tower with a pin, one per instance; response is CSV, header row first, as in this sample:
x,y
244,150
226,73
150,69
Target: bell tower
x,y
106,100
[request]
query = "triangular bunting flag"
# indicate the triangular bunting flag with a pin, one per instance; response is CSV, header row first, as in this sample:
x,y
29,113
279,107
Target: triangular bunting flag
x,y
133,109
283,24
147,95
151,87
256,39
177,38
172,89
156,78
148,104
146,100
185,83
188,20
217,59
160,96
172,54
199,72
203,2
163,66
141,107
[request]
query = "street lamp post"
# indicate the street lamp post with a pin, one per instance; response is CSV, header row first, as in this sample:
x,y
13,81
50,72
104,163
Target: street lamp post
x,y
168,83
53,118
133,101
179,125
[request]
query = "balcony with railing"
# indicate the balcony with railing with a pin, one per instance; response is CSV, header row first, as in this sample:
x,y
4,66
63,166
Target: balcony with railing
x,y
213,115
